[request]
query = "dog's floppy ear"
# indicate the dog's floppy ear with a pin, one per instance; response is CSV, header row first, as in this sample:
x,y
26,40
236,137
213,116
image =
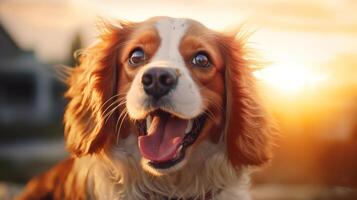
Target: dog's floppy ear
x,y
247,128
91,85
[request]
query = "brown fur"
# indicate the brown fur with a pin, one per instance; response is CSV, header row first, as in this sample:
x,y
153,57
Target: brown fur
x,y
248,130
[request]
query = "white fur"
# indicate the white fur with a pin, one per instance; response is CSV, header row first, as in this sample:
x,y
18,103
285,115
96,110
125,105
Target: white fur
x,y
185,98
117,174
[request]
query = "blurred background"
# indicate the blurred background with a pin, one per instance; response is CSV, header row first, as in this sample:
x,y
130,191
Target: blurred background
x,y
309,84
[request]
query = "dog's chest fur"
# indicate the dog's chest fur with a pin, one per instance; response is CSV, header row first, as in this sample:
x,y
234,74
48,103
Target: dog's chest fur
x,y
118,175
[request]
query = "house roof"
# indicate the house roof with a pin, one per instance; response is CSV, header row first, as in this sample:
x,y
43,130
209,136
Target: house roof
x,y
8,46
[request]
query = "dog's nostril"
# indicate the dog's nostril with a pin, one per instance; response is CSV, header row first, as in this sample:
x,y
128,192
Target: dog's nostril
x,y
167,79
147,79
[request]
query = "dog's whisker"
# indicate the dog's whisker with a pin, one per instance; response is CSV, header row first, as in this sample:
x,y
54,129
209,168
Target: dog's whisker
x,y
108,100
120,126
121,118
208,111
107,117
112,104
209,114
110,112
118,104
116,124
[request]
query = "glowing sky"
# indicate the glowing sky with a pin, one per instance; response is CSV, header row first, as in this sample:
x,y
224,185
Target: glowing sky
x,y
303,32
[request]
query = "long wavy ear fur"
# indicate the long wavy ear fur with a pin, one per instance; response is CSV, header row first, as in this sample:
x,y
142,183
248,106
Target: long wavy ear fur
x,y
247,128
92,84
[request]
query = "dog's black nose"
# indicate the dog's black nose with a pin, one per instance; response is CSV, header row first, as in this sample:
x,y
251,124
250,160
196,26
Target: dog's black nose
x,y
158,82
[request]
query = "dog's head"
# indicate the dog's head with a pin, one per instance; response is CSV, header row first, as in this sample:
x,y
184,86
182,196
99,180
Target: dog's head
x,y
174,84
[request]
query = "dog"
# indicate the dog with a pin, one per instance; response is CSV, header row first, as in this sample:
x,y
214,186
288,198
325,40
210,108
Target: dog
x,y
160,109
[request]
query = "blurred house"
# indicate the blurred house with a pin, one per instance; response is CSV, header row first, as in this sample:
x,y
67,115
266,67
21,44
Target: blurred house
x,y
29,91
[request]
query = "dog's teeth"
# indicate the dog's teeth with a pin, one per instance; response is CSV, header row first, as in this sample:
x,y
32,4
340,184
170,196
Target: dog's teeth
x,y
148,122
189,126
178,152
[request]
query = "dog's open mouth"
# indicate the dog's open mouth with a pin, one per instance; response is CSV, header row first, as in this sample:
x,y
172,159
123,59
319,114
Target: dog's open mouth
x,y
165,137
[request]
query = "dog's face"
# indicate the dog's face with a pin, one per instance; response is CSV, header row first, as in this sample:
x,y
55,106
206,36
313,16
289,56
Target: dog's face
x,y
174,70
174,84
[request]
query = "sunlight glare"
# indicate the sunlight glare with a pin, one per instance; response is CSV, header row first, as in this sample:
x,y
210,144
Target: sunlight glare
x,y
289,78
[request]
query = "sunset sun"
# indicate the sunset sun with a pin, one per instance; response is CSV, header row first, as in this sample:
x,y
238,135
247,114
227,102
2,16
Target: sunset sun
x,y
289,78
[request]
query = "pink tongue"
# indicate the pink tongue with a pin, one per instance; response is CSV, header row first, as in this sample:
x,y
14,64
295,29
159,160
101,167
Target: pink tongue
x,y
164,137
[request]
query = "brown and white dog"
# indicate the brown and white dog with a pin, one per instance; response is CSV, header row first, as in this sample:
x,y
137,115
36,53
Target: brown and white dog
x,y
161,109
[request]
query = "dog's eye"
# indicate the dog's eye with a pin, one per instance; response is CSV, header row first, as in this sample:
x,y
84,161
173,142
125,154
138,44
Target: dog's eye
x,y
137,56
201,60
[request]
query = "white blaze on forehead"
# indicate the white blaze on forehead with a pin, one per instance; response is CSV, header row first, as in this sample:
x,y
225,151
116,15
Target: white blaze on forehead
x,y
171,32
185,98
